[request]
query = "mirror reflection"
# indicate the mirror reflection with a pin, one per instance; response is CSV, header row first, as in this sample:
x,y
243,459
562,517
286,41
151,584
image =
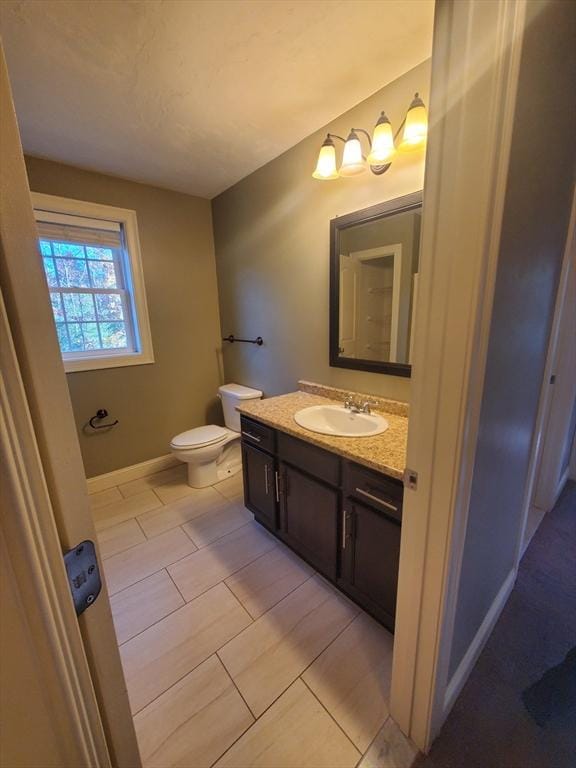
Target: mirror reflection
x,y
377,289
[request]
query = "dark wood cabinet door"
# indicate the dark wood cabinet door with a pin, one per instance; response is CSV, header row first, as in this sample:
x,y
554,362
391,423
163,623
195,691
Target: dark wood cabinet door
x,y
370,553
260,485
309,519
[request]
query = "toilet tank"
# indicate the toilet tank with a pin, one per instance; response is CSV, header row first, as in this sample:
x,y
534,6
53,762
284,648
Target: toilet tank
x,y
231,396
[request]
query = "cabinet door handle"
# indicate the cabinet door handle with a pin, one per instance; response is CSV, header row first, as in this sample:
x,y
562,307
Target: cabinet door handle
x,y
266,483
251,436
344,532
377,499
277,483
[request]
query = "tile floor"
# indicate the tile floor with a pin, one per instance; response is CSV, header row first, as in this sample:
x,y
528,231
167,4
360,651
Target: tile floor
x,y
236,653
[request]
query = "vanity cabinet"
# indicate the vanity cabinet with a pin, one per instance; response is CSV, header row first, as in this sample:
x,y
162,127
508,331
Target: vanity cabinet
x,y
370,540
342,518
370,558
309,502
260,485
309,518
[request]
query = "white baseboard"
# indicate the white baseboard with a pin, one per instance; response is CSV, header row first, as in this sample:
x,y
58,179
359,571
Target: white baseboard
x,y
126,474
475,649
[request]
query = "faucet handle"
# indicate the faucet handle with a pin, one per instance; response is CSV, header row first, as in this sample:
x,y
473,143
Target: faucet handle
x,y
366,405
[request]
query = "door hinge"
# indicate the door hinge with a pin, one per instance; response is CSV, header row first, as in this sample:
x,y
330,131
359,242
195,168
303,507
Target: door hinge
x,y
410,479
83,575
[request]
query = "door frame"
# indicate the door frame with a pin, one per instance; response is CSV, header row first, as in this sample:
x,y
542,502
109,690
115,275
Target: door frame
x,y
36,561
58,505
370,254
472,106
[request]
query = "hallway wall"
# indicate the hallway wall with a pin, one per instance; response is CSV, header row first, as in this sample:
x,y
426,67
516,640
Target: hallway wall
x,y
535,224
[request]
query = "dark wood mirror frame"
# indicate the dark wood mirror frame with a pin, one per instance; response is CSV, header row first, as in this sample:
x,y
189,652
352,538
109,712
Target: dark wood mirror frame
x,y
379,211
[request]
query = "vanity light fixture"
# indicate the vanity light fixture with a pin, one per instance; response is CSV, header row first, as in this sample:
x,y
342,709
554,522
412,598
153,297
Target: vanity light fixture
x,y
382,146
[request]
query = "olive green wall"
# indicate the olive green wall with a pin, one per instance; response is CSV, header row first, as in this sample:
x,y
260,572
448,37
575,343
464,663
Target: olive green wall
x,y
178,391
271,235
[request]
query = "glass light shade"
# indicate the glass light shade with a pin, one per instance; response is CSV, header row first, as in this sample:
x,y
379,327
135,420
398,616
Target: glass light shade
x,y
352,161
326,165
415,127
383,149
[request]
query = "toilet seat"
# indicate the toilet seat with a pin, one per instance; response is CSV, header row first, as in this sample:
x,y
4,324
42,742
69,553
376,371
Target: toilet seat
x,y
199,437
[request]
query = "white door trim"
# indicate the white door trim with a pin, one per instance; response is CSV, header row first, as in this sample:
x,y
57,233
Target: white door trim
x,y
30,320
34,550
394,250
475,63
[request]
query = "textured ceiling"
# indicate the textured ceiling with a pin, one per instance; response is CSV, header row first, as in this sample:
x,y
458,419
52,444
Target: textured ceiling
x,y
193,95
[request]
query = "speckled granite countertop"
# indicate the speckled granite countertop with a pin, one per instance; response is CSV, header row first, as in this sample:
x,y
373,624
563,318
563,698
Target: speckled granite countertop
x,y
385,453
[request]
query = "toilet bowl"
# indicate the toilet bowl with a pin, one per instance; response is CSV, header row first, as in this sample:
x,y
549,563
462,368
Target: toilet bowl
x,y
213,453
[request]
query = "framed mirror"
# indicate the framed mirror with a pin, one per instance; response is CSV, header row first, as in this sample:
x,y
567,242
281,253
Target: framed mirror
x,y
374,261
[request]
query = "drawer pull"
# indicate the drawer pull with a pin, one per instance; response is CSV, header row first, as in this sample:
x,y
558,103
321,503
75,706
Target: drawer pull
x,y
375,498
344,532
251,436
266,483
277,482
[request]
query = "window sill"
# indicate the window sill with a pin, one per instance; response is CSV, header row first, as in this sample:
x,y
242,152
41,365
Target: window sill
x,y
96,363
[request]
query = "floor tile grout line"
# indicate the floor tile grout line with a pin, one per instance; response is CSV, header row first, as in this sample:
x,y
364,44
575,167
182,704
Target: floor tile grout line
x,y
373,740
120,551
195,517
160,499
124,520
189,603
189,492
169,565
201,549
154,622
129,482
113,594
142,529
304,670
257,718
223,583
336,636
238,689
189,535
331,717
252,724
149,488
255,618
214,653
213,541
122,499
176,585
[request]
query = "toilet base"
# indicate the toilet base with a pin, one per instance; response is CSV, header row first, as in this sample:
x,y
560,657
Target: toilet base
x,y
212,472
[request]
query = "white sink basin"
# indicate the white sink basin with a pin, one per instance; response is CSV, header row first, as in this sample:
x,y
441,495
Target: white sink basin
x,y
339,421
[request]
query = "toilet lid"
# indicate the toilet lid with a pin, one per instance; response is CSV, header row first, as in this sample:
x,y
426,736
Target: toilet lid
x,y
199,436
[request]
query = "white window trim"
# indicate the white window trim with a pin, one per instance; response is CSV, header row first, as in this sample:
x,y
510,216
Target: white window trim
x,y
127,219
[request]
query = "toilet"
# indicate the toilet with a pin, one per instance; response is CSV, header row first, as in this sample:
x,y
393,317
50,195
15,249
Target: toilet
x,y
213,453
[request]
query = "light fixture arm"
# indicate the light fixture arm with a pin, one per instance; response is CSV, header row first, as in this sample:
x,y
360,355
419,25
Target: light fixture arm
x,y
335,136
401,127
361,130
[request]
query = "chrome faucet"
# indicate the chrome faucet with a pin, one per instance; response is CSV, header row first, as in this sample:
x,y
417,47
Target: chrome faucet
x,y
355,406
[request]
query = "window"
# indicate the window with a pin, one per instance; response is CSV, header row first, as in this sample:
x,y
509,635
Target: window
x,y
91,260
